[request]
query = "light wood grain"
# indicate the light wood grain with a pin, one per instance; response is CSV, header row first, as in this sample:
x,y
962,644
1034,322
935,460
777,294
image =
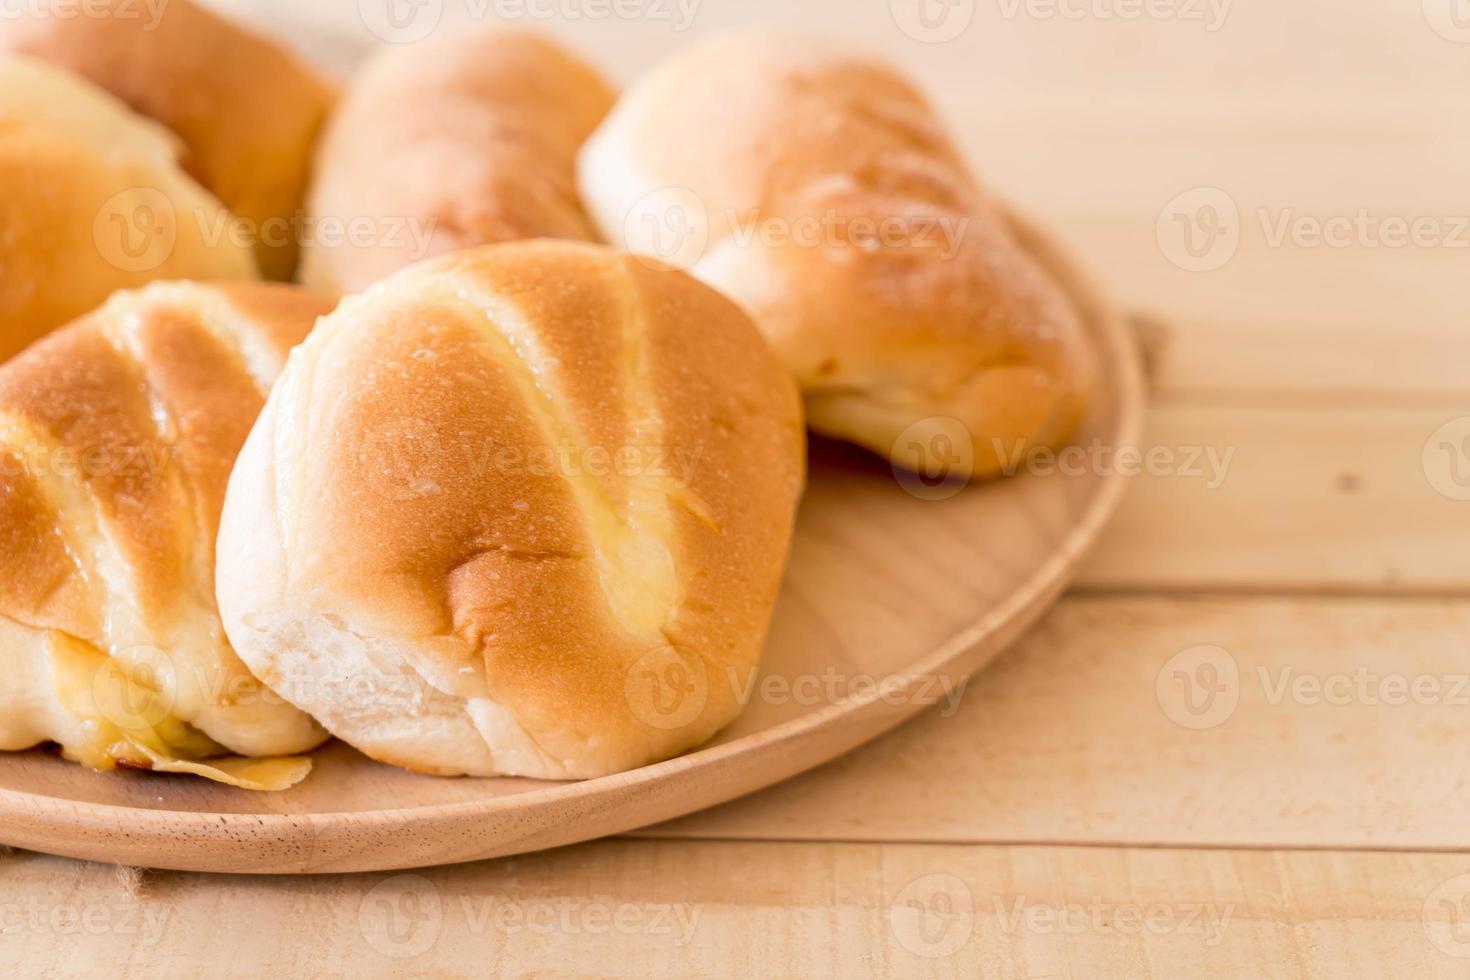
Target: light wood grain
x,y
1316,363
1332,498
640,909
1082,734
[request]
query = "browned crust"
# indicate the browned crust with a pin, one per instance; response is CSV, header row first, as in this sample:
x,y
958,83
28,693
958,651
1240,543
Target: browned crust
x,y
130,418
783,131
471,136
409,523
247,111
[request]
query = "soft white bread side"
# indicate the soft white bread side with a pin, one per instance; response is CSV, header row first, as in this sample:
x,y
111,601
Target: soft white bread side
x,y
465,139
117,434
520,510
246,112
96,201
818,189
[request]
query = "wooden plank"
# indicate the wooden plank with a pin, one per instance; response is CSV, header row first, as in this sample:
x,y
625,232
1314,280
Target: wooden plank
x,y
1334,498
639,909
1082,734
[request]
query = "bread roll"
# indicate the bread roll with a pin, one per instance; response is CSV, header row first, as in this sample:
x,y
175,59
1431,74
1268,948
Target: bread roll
x,y
818,189
117,435
247,112
461,140
529,502
96,202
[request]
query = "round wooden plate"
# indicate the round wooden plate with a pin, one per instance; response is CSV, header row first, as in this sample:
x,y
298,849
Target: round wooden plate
x,y
892,598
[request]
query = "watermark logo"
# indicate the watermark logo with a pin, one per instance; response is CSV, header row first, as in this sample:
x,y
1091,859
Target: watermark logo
x,y
932,458
1199,230
403,458
1450,19
666,690
136,230
142,922
670,224
1210,14
1446,917
1199,688
1205,920
400,21
934,916
1447,459
408,21
150,12
136,689
933,21
401,917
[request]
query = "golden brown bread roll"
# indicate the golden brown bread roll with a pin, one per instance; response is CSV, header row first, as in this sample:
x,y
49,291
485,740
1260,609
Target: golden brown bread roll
x,y
247,112
117,435
95,201
819,190
461,140
531,502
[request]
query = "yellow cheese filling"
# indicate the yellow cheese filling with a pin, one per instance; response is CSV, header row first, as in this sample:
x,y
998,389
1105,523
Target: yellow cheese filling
x,y
128,723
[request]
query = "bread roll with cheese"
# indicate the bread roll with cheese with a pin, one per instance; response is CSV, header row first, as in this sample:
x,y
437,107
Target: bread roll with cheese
x,y
461,140
95,201
248,113
818,189
521,510
117,435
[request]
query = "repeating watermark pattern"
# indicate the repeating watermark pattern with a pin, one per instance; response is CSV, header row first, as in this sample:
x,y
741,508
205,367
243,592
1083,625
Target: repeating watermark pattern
x,y
1097,916
1446,917
933,21
138,687
672,225
1210,15
941,21
1200,688
403,917
411,459
1208,464
1447,459
138,466
665,689
409,234
150,12
932,459
1201,230
142,923
409,21
1450,19
138,230
934,916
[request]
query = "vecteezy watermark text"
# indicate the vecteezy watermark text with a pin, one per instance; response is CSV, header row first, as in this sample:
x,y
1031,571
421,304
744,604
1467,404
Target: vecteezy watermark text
x,y
402,917
150,12
1201,230
408,21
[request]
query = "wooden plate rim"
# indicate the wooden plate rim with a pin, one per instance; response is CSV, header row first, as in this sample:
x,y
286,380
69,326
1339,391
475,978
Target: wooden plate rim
x,y
1118,354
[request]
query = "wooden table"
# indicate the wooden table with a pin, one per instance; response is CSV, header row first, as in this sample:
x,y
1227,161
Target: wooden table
x,y
1240,747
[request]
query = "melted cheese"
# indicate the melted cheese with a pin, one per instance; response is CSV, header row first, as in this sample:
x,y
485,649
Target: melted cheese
x,y
125,722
